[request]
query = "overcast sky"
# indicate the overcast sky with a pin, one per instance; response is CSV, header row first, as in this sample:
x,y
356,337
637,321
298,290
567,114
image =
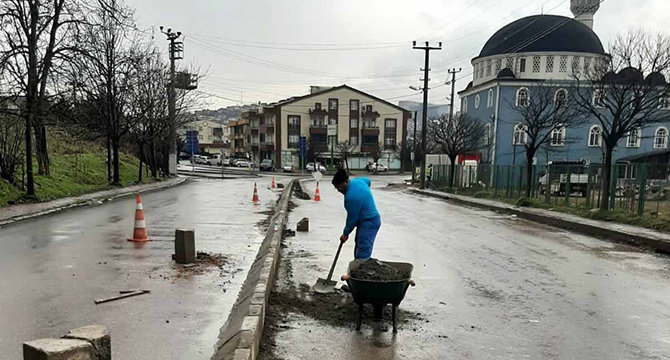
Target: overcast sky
x,y
266,50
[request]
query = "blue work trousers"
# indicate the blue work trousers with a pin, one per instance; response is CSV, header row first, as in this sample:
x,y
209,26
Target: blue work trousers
x,y
366,232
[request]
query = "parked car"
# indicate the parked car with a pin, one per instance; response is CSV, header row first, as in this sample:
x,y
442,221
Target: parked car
x,y
311,167
267,165
376,167
214,160
242,163
288,168
233,162
199,159
226,162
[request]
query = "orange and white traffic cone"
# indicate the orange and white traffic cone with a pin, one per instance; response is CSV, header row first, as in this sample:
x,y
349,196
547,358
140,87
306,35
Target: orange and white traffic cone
x,y
255,198
317,194
272,184
140,229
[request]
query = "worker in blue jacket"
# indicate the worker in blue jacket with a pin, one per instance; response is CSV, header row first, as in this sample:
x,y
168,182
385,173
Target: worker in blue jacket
x,y
361,212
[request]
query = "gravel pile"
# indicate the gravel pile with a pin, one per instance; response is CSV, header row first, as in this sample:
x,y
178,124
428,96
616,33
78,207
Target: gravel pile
x,y
373,269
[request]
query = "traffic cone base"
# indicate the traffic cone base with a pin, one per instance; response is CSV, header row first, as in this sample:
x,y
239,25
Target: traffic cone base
x,y
317,193
140,228
272,184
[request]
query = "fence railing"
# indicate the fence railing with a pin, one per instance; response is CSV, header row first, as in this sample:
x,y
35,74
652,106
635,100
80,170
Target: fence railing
x,y
640,189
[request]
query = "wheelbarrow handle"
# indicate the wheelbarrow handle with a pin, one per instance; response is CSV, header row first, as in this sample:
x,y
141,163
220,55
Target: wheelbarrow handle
x,y
337,255
411,282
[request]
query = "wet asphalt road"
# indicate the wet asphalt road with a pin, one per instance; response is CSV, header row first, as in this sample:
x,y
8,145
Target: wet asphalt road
x,y
52,268
488,287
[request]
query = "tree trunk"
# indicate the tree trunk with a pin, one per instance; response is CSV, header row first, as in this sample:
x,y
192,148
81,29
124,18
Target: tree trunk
x,y
115,150
141,156
41,149
605,198
529,173
452,171
30,182
154,166
109,160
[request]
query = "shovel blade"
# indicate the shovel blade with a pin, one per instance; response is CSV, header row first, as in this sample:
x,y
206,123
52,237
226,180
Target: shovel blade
x,y
324,286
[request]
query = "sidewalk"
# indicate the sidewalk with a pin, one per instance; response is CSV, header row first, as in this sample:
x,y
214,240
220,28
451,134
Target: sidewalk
x,y
657,241
14,213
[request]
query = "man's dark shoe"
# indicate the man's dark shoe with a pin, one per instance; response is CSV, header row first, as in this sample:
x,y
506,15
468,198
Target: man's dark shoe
x,y
345,288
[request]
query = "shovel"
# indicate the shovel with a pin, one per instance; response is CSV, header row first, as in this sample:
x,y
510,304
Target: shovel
x,y
324,286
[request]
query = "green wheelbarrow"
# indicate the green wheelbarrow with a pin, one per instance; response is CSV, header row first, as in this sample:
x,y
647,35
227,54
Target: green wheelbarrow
x,y
378,293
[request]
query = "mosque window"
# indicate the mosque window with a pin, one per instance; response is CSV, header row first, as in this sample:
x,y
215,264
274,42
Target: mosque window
x,y
595,136
476,71
633,139
661,138
520,134
489,99
560,98
522,65
563,65
558,136
587,65
488,67
510,63
522,97
477,101
481,70
464,106
550,64
498,66
575,64
536,64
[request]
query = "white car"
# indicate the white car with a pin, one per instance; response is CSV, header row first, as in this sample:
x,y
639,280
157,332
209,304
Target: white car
x,y
199,159
288,168
312,168
242,163
372,167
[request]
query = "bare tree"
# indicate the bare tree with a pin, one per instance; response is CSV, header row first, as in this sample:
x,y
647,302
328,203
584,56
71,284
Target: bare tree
x,y
107,75
11,139
626,92
376,152
36,37
458,135
544,112
345,149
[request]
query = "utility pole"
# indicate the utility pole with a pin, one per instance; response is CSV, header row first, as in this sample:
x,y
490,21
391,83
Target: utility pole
x,y
453,73
414,152
176,50
424,128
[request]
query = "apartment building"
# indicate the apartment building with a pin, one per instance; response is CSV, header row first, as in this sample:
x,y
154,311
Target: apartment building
x,y
212,137
362,119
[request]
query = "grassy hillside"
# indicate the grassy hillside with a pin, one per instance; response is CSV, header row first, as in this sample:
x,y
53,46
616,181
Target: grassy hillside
x,y
74,174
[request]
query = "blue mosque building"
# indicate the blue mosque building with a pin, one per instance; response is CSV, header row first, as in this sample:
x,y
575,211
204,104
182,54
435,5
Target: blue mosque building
x,y
545,49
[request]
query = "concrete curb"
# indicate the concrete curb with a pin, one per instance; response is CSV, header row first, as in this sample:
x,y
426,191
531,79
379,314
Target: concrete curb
x,y
76,202
627,234
239,338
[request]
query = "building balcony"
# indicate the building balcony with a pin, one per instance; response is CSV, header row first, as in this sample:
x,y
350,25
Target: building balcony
x,y
368,148
317,113
370,131
318,129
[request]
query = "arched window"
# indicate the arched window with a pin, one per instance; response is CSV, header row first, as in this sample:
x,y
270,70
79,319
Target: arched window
x,y
520,135
487,135
661,138
477,100
634,138
595,136
522,97
465,106
561,98
489,99
558,136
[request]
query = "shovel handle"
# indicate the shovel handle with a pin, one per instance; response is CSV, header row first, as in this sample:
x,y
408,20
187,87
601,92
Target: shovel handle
x,y
337,255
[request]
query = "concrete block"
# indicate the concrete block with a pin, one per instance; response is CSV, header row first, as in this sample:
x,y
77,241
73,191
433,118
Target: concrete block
x,y
184,246
242,354
255,310
98,336
303,225
58,349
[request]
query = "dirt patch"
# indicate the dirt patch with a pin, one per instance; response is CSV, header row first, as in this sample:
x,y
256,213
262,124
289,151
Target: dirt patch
x,y
373,269
204,262
264,224
291,206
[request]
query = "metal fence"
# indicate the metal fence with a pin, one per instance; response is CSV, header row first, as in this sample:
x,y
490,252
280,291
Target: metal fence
x,y
640,189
